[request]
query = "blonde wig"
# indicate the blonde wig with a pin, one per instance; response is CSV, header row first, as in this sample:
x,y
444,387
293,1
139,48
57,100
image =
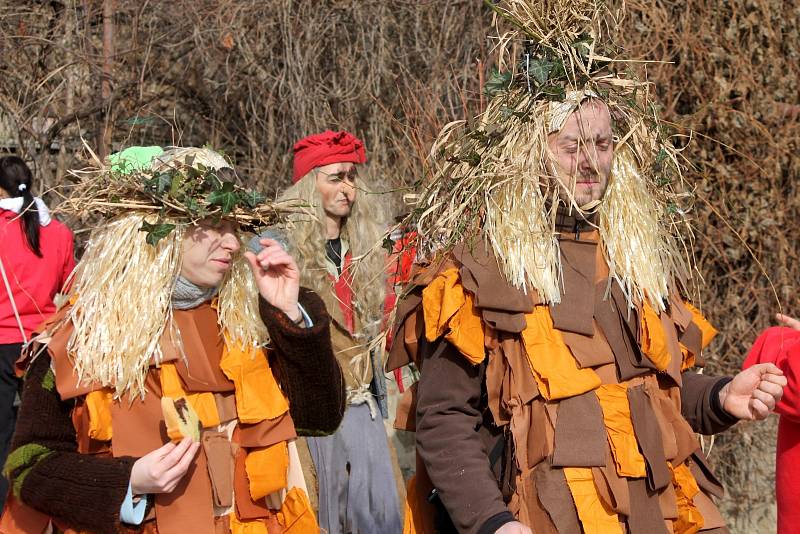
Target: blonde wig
x,y
362,229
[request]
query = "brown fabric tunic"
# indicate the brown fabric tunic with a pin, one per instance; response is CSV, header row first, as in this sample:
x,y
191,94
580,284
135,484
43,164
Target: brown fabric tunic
x,y
497,447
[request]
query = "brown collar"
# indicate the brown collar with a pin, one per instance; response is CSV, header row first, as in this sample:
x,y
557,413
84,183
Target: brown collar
x,y
572,224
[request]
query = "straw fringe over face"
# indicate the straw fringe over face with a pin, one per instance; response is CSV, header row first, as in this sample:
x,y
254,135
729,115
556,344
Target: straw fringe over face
x,y
122,305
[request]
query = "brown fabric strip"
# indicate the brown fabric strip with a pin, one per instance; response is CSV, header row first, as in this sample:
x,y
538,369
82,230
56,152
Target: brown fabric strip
x,y
648,434
513,323
575,312
580,435
66,377
673,348
203,345
189,507
138,424
406,309
645,515
524,383
494,292
712,519
704,476
620,325
618,486
664,420
668,501
554,494
531,512
692,339
226,406
589,351
219,456
267,432
538,445
678,310
406,416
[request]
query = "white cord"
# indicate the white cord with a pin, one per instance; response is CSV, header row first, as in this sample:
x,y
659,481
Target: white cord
x,y
13,302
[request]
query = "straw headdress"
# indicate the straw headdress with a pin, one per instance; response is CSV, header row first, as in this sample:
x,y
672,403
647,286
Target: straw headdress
x,y
495,178
122,288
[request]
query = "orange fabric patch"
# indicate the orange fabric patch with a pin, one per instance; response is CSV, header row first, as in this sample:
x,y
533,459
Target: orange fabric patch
x,y
98,404
267,469
690,520
654,342
203,404
708,331
595,515
553,365
418,518
619,427
258,395
254,526
296,515
449,311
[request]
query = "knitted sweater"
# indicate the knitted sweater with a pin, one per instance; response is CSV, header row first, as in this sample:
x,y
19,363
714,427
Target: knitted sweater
x,y
85,492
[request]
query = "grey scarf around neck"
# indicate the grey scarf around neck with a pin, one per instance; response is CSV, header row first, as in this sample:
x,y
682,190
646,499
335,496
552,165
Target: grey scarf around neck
x,y
186,295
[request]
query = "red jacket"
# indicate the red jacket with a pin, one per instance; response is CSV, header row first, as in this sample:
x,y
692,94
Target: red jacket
x,y
34,281
781,346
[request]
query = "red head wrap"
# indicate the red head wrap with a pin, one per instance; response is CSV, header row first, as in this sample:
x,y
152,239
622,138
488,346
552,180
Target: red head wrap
x,y
326,148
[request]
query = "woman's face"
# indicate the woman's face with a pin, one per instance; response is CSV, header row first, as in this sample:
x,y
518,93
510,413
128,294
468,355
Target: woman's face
x,y
208,252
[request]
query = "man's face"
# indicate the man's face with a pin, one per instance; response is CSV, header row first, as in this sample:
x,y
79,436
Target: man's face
x,y
584,150
208,252
336,184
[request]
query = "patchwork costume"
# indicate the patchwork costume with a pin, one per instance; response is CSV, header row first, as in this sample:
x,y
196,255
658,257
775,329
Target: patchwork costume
x,y
134,332
557,348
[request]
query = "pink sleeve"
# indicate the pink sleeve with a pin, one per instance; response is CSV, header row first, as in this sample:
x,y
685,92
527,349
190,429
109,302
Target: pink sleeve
x,y
781,346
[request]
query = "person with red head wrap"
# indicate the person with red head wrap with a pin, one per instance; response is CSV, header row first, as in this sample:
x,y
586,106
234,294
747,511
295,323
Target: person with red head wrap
x,y
359,482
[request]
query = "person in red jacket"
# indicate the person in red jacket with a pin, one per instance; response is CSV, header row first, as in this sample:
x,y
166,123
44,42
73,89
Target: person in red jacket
x,y
781,345
36,258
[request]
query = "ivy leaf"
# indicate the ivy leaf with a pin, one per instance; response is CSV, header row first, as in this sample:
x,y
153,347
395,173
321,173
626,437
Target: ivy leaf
x,y
473,158
554,93
224,197
388,245
252,198
156,232
540,69
160,183
497,83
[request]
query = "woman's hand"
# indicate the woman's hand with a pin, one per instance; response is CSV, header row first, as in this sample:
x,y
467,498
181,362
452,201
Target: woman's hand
x,y
514,527
160,471
277,277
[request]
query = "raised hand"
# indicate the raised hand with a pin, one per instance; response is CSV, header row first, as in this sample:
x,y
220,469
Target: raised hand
x,y
277,277
753,393
785,320
160,471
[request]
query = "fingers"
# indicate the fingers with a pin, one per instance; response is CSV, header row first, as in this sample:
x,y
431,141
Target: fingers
x,y
765,369
765,398
274,257
176,472
175,455
759,409
785,320
770,388
251,259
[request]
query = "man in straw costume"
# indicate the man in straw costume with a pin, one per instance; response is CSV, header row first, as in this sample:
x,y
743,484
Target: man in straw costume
x,y
356,470
172,335
558,390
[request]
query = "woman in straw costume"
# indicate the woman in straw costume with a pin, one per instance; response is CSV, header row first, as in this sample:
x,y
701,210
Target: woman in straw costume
x,y
552,325
167,395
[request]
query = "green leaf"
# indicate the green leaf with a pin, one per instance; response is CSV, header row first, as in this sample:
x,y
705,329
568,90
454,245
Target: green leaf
x,y
252,198
224,197
163,182
554,92
540,69
156,232
473,158
497,83
388,245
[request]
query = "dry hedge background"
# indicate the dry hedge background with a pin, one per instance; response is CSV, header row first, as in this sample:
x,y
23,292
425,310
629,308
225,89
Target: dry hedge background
x,y
251,76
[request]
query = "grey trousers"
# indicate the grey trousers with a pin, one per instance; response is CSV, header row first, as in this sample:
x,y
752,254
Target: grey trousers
x,y
357,489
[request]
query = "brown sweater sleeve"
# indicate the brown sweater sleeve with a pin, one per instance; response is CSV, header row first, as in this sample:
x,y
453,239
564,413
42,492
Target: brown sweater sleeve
x,y
307,368
700,403
448,416
47,473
